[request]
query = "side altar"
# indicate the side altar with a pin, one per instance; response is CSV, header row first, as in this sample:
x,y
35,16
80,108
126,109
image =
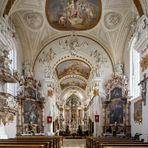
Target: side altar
x,y
116,107
30,107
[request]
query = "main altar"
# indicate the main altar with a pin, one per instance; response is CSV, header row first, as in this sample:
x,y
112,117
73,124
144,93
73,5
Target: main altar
x,y
72,117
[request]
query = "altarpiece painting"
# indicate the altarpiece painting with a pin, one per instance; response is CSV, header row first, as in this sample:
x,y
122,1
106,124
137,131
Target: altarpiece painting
x,y
116,112
31,112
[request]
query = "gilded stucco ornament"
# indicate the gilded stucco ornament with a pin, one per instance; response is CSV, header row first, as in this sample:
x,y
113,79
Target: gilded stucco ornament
x,y
144,62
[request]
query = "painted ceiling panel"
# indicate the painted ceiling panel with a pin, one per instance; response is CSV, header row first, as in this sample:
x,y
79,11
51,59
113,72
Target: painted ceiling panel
x,y
74,14
73,82
73,67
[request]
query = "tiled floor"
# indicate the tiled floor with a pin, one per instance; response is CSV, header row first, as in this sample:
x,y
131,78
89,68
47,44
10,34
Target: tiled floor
x,y
74,143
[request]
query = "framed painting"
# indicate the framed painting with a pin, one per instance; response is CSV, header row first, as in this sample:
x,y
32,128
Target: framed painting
x,y
138,111
116,112
31,112
96,118
30,92
73,14
49,119
116,93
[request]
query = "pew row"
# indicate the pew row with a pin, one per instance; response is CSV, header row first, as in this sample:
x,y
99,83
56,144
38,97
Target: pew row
x,y
51,142
96,142
125,145
21,146
45,144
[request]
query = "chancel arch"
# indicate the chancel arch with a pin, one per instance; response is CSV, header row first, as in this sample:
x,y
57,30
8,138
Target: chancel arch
x,y
73,61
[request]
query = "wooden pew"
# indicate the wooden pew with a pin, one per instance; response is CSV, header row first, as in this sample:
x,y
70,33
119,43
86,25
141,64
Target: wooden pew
x,y
46,144
21,146
125,145
99,145
116,141
89,142
96,142
53,142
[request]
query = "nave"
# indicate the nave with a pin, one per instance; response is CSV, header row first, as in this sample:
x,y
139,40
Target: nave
x,y
74,143
72,69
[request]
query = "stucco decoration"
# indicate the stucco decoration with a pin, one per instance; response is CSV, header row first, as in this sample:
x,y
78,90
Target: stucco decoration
x,y
45,59
141,34
64,64
115,86
73,44
33,20
112,20
119,69
100,61
6,34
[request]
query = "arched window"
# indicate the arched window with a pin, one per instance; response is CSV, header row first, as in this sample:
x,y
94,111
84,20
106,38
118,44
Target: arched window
x,y
134,71
12,87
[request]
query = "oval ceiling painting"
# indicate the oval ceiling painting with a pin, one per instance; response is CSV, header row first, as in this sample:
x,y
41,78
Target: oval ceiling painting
x,y
73,14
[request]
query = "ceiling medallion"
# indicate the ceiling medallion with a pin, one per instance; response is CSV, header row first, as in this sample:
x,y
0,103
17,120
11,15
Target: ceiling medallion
x,y
73,14
112,20
33,20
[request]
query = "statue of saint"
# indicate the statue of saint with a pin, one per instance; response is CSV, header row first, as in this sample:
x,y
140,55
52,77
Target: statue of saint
x,y
143,84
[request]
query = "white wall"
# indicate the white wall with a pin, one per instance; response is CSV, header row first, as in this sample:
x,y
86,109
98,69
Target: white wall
x,y
98,129
141,47
20,57
50,108
11,129
96,109
145,107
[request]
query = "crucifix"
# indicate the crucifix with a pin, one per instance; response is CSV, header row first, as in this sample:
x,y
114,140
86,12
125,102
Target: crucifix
x,y
143,84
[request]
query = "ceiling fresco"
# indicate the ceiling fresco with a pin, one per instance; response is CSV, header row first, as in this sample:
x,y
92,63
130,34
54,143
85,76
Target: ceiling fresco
x,y
73,82
73,67
73,14
42,44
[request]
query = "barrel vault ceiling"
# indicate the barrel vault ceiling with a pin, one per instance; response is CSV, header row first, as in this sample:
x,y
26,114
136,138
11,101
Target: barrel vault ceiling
x,y
112,32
